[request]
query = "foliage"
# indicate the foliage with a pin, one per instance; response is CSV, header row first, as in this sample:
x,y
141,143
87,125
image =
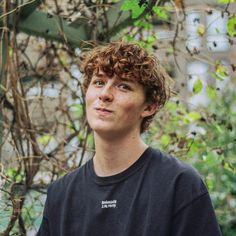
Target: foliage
x,y
197,87
225,1
232,26
206,139
134,6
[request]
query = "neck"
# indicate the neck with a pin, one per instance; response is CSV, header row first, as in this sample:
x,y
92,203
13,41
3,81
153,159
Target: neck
x,y
117,154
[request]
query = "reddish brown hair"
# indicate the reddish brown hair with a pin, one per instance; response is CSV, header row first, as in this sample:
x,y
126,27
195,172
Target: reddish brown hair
x,y
130,61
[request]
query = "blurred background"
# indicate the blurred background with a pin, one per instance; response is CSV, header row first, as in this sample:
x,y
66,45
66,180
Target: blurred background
x,y
43,130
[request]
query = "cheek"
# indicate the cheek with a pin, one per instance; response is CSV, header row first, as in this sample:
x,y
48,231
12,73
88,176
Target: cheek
x,y
88,103
89,97
89,108
132,109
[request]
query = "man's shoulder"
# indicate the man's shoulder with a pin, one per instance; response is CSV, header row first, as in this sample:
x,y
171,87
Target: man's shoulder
x,y
174,169
167,160
184,182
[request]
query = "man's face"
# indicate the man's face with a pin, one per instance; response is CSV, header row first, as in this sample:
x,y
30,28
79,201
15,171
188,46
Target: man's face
x,y
115,106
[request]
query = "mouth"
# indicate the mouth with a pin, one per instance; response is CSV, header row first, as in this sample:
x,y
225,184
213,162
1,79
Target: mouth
x,y
103,110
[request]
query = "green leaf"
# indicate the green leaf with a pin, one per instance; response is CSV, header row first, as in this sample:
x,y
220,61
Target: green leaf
x,y
143,24
11,51
170,50
126,6
210,183
161,12
13,173
221,69
219,129
129,38
211,159
201,29
171,105
45,138
151,39
197,87
192,116
228,166
165,139
131,5
63,60
78,110
217,30
216,76
225,1
90,141
211,92
231,26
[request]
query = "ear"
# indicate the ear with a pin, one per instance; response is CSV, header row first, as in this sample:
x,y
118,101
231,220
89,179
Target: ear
x,y
149,110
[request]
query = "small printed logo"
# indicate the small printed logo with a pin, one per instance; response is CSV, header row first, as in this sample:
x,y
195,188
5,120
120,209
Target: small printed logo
x,y
108,204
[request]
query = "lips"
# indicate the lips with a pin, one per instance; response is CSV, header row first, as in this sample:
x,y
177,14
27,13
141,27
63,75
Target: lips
x,y
103,110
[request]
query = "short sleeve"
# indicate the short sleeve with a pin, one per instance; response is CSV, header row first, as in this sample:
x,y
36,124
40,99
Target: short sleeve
x,y
194,214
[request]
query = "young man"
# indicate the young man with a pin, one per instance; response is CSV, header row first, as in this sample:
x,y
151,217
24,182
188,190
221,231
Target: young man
x,y
127,188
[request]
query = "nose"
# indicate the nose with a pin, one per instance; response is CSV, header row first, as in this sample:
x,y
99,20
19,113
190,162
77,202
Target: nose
x,y
106,94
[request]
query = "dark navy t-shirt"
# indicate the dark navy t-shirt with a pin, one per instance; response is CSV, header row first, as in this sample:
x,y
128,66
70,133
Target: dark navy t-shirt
x,y
158,195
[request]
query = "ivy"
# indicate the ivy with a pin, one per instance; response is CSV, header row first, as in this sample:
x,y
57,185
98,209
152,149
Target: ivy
x,y
133,6
78,109
165,139
161,12
226,1
143,24
45,139
192,116
231,26
197,87
211,91
201,30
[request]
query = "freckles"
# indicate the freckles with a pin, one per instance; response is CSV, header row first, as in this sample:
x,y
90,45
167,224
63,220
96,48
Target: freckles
x,y
131,110
90,96
128,104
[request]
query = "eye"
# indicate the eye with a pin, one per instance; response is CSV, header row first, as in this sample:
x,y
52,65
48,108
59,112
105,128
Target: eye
x,y
98,82
124,86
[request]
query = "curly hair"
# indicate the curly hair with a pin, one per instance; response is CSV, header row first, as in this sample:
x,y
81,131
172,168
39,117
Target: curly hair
x,y
130,61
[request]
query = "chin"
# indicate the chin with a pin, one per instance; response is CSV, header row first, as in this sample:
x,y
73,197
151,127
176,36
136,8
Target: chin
x,y
102,130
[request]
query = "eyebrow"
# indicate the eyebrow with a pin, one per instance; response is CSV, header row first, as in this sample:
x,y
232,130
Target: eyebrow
x,y
127,80
101,74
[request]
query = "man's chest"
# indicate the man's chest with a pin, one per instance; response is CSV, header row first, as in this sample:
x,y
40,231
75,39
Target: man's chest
x,y
128,208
